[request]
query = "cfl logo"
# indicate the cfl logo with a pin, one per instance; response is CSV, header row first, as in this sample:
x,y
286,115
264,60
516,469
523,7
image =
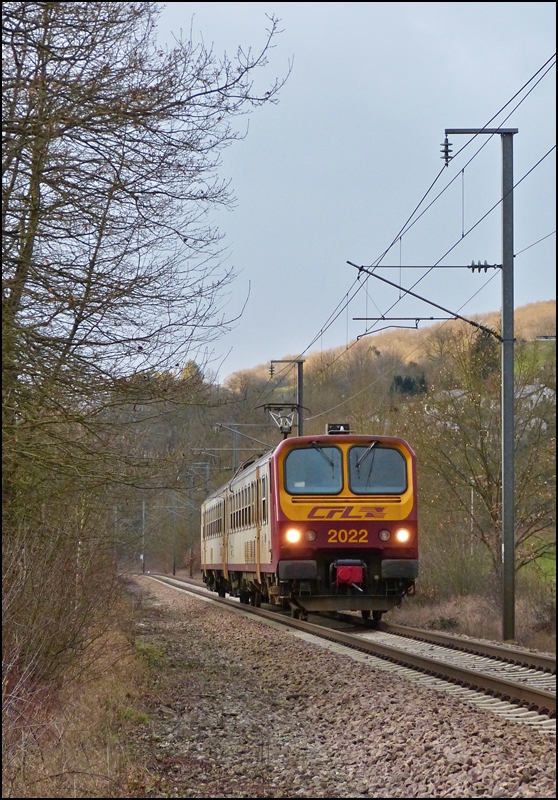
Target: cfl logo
x,y
348,512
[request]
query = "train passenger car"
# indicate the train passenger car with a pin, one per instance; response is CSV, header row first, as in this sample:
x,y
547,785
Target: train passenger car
x,y
320,523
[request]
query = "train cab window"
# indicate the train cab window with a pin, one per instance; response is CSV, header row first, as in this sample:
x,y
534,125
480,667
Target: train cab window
x,y
314,470
377,470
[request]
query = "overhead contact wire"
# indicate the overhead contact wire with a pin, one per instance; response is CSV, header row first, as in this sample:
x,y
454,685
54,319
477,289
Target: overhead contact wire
x,y
344,303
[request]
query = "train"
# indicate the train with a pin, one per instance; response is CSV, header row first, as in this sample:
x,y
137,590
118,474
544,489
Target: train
x,y
320,523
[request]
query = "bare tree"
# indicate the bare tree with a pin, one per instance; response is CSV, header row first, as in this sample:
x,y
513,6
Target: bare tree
x,y
110,152
456,430
111,272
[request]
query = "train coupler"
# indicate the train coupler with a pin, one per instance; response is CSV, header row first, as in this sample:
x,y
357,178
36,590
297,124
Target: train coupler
x,y
348,572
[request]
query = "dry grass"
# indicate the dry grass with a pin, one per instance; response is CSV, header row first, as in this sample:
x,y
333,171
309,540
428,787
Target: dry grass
x,y
71,743
481,618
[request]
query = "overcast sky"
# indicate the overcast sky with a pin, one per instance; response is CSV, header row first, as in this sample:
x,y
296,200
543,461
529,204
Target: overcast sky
x,y
333,172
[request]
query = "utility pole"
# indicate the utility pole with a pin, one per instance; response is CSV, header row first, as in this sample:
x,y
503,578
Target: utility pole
x,y
143,535
174,524
299,398
507,364
508,480
191,527
235,449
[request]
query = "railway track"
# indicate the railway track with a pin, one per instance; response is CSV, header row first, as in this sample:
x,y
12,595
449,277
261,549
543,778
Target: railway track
x,y
515,683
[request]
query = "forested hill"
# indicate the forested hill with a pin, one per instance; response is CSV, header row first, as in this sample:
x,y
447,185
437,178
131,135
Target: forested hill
x,y
531,321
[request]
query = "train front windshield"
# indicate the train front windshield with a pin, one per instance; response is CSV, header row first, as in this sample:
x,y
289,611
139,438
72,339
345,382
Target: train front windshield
x,y
314,470
319,470
377,470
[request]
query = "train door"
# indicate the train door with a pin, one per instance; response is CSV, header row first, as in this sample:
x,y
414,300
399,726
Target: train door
x,y
203,541
256,506
228,511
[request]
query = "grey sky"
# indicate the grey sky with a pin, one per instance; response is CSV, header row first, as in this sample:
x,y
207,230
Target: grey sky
x,y
334,170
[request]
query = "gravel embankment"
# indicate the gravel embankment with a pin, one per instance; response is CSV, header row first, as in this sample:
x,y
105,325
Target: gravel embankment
x,y
242,710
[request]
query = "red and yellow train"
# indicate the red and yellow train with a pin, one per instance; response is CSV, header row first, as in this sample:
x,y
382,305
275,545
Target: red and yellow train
x,y
320,523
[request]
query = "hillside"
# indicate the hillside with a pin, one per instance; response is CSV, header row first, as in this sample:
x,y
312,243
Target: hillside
x,y
531,321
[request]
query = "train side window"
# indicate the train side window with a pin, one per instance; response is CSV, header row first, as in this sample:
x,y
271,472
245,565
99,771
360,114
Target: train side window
x,y
377,470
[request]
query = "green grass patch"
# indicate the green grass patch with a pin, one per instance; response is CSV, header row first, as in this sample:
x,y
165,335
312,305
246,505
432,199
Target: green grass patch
x,y
547,567
152,654
135,717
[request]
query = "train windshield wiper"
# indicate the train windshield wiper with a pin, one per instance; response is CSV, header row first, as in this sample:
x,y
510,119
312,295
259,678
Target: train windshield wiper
x,y
321,452
363,456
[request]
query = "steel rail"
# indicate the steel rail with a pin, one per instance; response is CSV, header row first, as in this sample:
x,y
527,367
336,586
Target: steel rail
x,y
525,658
535,699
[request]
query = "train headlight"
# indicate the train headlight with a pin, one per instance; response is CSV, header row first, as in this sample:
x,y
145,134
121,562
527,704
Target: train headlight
x,y
384,535
292,535
402,535
310,536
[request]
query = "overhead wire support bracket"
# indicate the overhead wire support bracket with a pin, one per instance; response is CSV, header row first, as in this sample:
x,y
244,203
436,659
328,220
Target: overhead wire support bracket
x,y
395,319
400,319
424,300
472,266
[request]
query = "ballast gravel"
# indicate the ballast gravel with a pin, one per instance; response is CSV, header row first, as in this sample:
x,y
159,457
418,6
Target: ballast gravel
x,y
238,709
